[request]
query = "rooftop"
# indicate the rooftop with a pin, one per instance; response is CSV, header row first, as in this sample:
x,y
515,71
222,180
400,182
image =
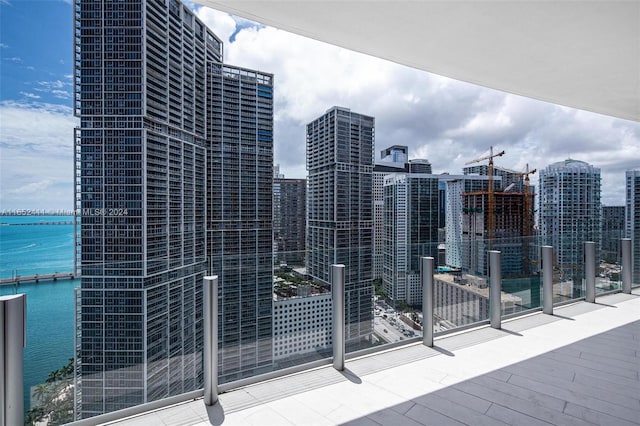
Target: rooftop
x,y
472,284
580,366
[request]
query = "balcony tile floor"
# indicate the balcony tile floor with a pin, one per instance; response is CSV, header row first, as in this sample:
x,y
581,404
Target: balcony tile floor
x,y
580,366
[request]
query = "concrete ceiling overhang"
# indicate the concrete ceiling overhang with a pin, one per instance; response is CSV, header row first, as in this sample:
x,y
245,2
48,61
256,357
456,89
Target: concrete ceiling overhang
x,y
581,54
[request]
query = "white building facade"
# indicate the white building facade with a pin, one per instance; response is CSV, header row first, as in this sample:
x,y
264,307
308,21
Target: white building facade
x,y
301,325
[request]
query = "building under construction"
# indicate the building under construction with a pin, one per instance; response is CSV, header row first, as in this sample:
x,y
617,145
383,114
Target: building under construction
x,y
512,232
510,178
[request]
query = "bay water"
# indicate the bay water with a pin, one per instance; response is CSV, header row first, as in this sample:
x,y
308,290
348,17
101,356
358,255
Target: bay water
x,y
41,249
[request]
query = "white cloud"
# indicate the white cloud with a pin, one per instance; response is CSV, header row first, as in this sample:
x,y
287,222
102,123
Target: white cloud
x,y
62,94
32,188
36,155
58,88
30,95
446,121
56,84
3,46
224,24
13,59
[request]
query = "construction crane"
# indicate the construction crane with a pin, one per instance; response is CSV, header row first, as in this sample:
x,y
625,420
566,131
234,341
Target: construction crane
x,y
527,198
526,219
490,202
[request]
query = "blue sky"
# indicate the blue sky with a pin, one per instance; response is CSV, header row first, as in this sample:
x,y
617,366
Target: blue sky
x,y
445,121
36,91
37,53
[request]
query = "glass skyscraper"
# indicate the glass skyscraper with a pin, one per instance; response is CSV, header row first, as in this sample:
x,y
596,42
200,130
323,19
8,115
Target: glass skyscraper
x,y
632,221
289,219
570,213
411,232
612,228
340,209
161,122
240,216
392,160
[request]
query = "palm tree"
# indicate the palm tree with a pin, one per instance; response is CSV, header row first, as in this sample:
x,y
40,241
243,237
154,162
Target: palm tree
x,y
34,416
42,393
54,376
67,370
54,400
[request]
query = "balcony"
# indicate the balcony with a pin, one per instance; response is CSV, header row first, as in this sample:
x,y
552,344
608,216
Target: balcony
x,y
575,364
580,366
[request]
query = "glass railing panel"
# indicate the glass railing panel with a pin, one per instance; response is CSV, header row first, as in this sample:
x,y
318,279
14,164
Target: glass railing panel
x,y
609,263
50,334
270,323
139,339
398,311
568,267
635,261
520,271
37,259
461,287
302,313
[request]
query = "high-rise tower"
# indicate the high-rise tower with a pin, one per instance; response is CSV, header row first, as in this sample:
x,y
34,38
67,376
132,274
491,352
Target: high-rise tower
x,y
155,138
632,220
240,214
411,231
612,228
394,159
570,212
339,208
140,186
289,219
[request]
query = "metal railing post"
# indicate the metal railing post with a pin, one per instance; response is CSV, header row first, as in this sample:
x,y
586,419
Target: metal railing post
x,y
427,301
547,280
627,264
495,288
210,302
13,339
590,271
337,293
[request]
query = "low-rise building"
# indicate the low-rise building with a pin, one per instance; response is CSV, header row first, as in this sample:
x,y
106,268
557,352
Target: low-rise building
x,y
302,322
461,300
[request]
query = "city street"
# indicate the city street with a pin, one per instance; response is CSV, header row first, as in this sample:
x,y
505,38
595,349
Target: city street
x,y
394,332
